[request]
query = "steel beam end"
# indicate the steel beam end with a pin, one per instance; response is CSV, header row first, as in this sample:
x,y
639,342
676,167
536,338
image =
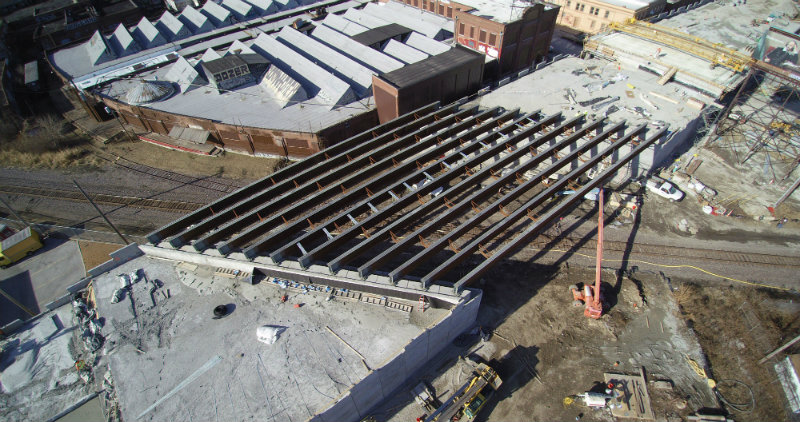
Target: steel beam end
x,y
250,253
200,245
154,238
364,272
176,242
225,249
334,266
276,258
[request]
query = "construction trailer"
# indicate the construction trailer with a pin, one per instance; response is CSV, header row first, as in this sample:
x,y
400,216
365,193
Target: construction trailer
x,y
18,246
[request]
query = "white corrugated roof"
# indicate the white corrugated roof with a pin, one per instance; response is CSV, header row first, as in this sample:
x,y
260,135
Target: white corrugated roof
x,y
195,20
239,8
343,25
287,4
425,44
122,42
209,55
266,7
331,89
364,19
97,49
147,35
171,28
406,16
373,59
238,47
184,74
281,88
429,17
403,52
219,15
359,77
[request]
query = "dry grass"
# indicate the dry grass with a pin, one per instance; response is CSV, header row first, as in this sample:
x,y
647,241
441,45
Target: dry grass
x,y
46,142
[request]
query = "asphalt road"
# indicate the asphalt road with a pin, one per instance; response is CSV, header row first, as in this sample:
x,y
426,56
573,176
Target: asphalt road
x,y
40,278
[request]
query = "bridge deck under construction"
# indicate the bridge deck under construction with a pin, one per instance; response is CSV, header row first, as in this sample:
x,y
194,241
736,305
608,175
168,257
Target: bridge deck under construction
x,y
434,197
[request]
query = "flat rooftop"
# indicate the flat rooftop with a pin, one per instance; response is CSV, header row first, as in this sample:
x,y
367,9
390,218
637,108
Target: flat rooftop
x,y
691,70
733,26
503,11
546,90
171,360
247,105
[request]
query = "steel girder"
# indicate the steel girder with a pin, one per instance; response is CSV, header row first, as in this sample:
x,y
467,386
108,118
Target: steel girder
x,y
415,196
296,168
506,199
284,236
284,192
548,218
390,154
477,197
322,186
442,199
525,210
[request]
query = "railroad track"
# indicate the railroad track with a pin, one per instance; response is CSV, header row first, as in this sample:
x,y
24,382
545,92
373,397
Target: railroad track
x,y
127,201
167,175
690,255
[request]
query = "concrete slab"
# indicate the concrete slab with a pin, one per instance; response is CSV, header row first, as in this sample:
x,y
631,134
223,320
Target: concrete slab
x,y
302,374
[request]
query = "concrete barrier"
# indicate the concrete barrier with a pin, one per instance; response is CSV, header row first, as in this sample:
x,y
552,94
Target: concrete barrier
x,y
523,72
504,81
12,326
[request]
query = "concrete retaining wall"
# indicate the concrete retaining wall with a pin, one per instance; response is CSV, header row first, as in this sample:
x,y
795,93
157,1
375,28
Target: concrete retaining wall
x,y
384,381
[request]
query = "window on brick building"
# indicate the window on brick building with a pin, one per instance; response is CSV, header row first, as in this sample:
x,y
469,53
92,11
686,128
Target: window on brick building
x,y
461,28
577,6
607,13
581,6
472,32
482,36
449,12
596,11
591,10
441,9
493,39
569,3
424,4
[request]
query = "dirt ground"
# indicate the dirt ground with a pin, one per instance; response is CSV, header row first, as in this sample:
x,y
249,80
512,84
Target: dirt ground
x,y
228,165
96,253
545,349
737,327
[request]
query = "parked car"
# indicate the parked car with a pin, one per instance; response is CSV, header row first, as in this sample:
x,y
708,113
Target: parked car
x,y
664,188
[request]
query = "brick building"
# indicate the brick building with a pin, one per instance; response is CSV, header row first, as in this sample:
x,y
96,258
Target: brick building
x,y
516,33
577,18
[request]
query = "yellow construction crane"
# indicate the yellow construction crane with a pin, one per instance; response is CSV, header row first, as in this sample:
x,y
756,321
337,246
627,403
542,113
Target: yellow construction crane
x,y
716,53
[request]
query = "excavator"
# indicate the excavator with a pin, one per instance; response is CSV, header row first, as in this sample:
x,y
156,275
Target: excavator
x,y
468,400
590,295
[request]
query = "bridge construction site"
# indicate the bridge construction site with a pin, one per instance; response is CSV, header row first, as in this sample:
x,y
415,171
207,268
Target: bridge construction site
x,y
610,235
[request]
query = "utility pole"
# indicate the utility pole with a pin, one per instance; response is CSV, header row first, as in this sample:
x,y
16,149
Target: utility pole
x,y
101,212
14,213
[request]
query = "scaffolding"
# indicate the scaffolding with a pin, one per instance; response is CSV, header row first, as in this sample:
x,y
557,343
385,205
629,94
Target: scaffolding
x,y
761,126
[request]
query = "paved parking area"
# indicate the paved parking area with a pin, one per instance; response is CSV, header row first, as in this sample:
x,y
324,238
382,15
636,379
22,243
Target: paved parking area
x,y
40,278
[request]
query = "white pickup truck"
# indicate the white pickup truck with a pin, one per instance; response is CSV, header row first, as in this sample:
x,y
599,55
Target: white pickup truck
x,y
664,188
